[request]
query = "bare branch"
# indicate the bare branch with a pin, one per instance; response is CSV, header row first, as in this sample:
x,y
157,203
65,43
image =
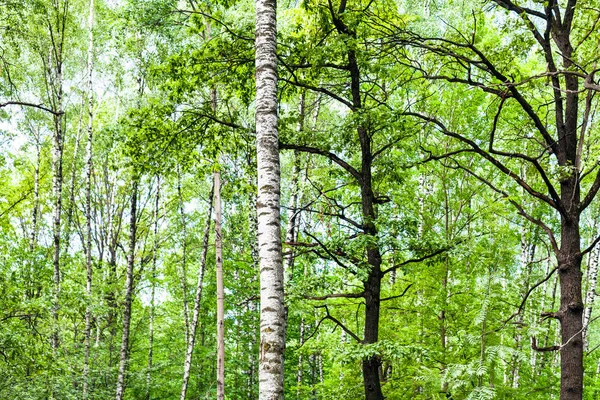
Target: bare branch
x,y
542,349
32,105
337,296
339,323
554,203
518,206
398,296
415,260
331,255
524,300
331,156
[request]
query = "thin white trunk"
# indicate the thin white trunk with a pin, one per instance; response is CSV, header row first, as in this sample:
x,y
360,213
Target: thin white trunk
x,y
36,195
220,291
88,206
293,213
183,276
74,172
124,354
272,309
197,301
594,260
152,291
57,186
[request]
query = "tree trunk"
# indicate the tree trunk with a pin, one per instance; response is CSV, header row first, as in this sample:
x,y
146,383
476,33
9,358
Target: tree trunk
x,y
88,207
220,291
272,309
57,185
183,277
124,353
594,259
35,288
187,365
570,313
152,291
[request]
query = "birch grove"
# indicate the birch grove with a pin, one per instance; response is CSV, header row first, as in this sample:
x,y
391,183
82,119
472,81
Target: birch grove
x,y
404,199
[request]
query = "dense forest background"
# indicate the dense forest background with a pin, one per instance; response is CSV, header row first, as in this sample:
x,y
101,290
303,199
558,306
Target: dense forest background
x,y
439,167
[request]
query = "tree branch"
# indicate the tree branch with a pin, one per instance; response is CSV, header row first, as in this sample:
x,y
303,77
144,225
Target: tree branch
x,y
542,349
415,260
336,296
524,300
494,161
32,105
339,323
333,257
307,149
398,296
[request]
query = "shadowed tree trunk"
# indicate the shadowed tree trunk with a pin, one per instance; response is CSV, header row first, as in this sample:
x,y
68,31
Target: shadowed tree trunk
x,y
124,353
88,206
152,292
187,365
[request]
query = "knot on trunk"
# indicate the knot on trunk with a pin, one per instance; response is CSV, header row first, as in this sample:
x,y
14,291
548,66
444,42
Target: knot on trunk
x,y
556,315
575,307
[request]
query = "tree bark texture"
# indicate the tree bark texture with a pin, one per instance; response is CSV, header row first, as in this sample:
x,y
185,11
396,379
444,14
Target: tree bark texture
x,y
220,290
183,276
124,353
88,205
272,311
187,365
152,292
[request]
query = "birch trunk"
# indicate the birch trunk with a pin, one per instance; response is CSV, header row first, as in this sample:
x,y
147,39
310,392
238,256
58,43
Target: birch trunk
x,y
88,206
35,289
272,310
220,291
57,185
594,259
124,353
152,290
74,174
183,257
197,301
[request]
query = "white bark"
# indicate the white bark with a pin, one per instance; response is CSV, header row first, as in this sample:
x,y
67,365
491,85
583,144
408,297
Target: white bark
x,y
57,184
594,260
272,311
198,299
88,206
152,291
124,354
183,277
220,291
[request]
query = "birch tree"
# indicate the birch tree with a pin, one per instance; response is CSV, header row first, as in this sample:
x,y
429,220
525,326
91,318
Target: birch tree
x,y
129,284
88,202
272,310
220,290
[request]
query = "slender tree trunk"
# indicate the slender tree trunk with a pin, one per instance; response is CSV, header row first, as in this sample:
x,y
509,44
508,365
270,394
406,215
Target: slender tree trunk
x,y
152,291
293,214
57,185
88,206
35,288
594,259
74,174
272,309
220,291
36,195
187,365
124,354
183,276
